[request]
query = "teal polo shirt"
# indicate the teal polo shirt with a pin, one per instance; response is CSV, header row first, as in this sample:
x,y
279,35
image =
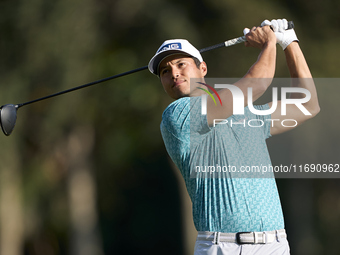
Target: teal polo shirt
x,y
227,201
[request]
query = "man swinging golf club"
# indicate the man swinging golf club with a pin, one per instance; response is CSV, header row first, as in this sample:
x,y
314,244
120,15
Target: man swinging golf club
x,y
231,215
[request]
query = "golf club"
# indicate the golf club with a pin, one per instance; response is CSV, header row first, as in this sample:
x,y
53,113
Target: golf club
x,y
8,112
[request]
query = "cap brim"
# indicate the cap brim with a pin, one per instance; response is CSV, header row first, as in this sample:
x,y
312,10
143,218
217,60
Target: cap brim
x,y
156,60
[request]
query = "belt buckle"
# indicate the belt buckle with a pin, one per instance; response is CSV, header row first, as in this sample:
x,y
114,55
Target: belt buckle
x,y
238,238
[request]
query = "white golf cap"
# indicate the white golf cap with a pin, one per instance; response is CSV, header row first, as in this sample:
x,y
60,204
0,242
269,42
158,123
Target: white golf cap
x,y
171,47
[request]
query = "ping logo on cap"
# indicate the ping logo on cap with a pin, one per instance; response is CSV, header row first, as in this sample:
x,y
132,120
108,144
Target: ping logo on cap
x,y
170,46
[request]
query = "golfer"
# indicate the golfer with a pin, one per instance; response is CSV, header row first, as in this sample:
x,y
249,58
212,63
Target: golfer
x,y
231,215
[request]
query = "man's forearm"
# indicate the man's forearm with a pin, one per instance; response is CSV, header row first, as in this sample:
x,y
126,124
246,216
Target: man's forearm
x,y
301,75
264,67
296,61
258,78
261,73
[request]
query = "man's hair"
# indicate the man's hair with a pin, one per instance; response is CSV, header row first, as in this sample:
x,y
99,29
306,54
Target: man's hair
x,y
197,62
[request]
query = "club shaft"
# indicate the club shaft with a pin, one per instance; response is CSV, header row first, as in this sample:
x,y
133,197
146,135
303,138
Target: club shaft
x,y
228,43
84,86
110,78
216,46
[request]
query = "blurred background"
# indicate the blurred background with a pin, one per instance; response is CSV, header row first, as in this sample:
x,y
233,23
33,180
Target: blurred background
x,y
87,173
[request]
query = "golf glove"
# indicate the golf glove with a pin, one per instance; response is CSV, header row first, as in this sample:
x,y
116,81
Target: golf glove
x,y
284,37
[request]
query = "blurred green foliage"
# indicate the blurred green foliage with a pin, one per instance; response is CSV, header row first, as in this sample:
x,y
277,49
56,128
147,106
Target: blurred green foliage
x,y
48,46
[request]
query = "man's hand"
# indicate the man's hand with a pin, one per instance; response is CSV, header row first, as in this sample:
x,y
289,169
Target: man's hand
x,y
284,37
258,37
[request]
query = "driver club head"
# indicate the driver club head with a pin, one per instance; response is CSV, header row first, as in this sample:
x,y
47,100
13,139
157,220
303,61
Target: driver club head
x,y
8,117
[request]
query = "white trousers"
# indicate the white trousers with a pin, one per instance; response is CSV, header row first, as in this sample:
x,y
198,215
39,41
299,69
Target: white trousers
x,y
278,247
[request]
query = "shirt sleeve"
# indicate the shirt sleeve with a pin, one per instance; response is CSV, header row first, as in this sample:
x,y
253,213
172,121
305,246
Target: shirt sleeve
x,y
183,118
182,122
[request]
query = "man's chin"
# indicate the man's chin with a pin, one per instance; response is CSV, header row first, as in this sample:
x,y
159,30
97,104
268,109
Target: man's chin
x,y
181,95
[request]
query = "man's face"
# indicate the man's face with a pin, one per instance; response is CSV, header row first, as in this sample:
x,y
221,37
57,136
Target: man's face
x,y
175,72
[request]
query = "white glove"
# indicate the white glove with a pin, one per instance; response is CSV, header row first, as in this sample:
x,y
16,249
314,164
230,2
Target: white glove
x,y
246,31
284,37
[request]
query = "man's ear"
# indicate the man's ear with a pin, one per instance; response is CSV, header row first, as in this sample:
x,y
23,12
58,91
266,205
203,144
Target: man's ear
x,y
203,68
